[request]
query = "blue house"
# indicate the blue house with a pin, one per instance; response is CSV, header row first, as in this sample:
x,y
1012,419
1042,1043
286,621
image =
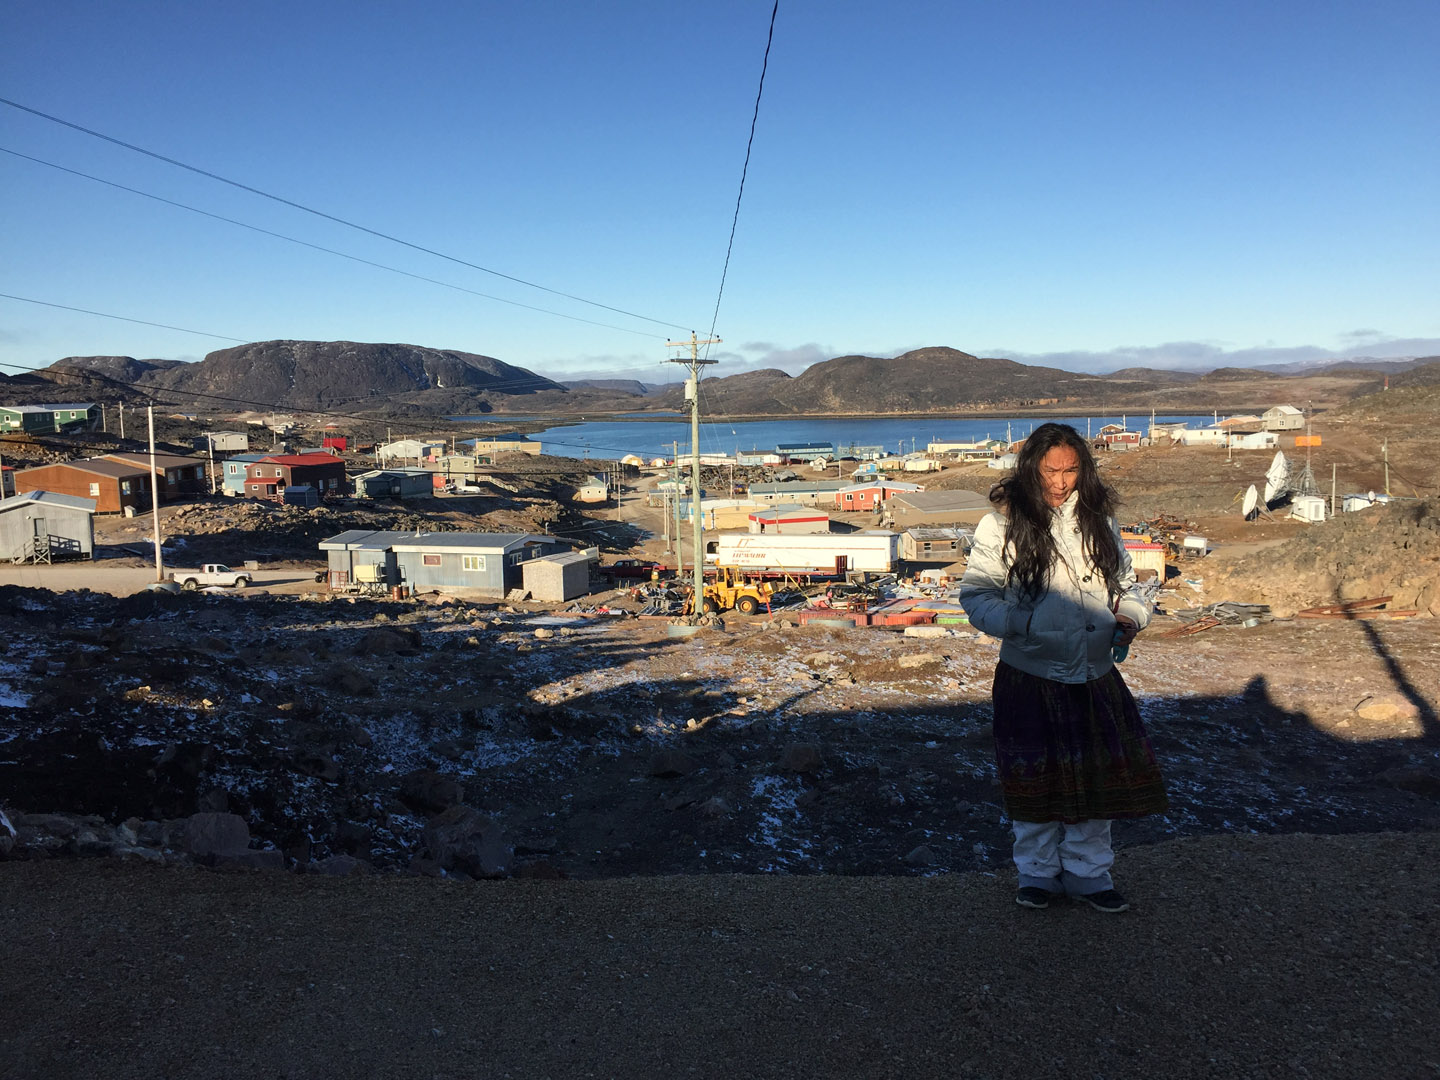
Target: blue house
x,y
487,564
233,482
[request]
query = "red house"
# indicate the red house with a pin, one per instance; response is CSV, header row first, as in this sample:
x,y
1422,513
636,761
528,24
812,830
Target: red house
x,y
270,476
871,494
1115,437
333,442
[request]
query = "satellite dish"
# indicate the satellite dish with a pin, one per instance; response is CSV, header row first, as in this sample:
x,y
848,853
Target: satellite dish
x,y
1277,476
1273,490
1252,497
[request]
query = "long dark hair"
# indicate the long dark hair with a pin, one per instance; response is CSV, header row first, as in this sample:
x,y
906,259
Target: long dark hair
x,y
1021,498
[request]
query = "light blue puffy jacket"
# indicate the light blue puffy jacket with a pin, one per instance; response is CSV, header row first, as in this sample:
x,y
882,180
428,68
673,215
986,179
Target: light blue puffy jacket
x,y
1066,634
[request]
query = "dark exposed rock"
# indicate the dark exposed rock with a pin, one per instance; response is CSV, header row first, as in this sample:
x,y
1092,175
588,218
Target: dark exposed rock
x,y
671,762
801,759
463,839
214,834
431,791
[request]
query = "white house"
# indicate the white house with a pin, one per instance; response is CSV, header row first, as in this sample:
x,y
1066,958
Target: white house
x,y
1256,440
1212,435
592,490
407,449
1283,418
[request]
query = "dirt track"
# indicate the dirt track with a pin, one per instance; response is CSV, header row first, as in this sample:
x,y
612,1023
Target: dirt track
x,y
1245,956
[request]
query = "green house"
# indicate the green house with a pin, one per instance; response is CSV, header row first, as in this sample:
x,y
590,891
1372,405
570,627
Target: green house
x,y
28,419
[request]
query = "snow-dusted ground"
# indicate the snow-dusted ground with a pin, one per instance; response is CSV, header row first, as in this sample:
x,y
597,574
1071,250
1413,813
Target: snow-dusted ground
x,y
306,717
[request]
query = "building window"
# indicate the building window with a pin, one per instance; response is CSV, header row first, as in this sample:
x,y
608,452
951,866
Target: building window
x,y
124,487
472,562
95,490
431,560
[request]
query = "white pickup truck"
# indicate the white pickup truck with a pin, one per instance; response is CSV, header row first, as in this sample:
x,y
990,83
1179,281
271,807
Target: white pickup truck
x,y
211,574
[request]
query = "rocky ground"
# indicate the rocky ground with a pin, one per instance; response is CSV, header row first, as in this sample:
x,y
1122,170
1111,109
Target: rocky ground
x,y
422,745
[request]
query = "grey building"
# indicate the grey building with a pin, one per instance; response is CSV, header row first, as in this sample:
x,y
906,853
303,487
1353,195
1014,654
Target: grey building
x,y
487,564
43,526
395,484
936,508
803,492
222,442
557,578
934,543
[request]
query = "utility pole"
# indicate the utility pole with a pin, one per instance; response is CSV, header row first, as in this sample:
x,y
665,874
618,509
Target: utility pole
x,y
210,440
155,498
675,492
1385,449
122,420
692,394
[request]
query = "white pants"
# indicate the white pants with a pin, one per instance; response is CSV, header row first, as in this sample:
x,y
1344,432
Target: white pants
x,y
1073,859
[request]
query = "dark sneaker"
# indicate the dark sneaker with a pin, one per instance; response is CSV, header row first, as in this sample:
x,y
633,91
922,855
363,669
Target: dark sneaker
x,y
1032,897
1109,900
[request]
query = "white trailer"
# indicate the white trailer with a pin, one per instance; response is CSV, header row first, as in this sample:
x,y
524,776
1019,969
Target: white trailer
x,y
814,555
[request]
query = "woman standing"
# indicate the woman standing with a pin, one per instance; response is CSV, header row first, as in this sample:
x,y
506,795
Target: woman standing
x,y
1049,576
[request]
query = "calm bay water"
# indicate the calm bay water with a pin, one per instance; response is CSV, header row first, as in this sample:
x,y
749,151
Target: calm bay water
x,y
654,438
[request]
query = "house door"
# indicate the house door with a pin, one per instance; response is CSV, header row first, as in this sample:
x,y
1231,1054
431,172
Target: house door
x,y
42,528
842,565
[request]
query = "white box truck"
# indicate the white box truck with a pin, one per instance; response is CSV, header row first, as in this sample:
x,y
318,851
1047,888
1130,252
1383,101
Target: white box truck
x,y
812,555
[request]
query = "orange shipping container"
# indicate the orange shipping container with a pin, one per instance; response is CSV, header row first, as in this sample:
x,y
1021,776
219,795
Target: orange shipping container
x,y
1307,440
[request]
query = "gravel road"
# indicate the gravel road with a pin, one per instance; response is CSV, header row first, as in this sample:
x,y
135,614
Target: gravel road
x,y
1245,956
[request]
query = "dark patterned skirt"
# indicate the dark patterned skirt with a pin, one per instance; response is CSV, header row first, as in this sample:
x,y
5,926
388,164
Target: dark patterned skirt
x,y
1073,751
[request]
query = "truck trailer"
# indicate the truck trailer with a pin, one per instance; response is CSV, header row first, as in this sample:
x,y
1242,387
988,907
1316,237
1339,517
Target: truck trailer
x,y
827,555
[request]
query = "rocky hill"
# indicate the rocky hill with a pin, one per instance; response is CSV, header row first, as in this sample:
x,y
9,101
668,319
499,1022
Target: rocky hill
x,y
314,375
395,381
931,379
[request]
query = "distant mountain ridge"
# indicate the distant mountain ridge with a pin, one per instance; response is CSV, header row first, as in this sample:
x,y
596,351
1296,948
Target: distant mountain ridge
x,y
317,375
412,381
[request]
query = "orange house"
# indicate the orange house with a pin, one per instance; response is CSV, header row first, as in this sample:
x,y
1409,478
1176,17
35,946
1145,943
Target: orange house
x,y
112,485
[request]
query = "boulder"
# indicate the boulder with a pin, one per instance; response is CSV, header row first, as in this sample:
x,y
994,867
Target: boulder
x,y
1382,707
917,660
210,834
921,856
463,839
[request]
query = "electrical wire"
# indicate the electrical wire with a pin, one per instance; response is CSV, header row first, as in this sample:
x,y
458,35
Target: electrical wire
x,y
154,396
317,247
105,315
331,217
734,221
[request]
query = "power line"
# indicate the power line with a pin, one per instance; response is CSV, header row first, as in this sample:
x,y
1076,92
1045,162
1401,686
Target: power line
x,y
765,64
156,393
331,217
317,247
519,384
121,318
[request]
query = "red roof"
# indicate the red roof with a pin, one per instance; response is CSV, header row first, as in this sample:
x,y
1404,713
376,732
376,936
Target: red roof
x,y
301,459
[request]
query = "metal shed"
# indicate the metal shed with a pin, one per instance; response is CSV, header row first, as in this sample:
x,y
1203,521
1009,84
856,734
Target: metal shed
x,y
43,526
489,564
361,558
557,578
395,484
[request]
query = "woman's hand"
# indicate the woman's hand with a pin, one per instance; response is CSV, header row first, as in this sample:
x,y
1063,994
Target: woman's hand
x,y
1127,628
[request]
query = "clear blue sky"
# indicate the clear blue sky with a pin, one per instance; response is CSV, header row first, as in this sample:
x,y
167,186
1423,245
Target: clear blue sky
x,y
1091,185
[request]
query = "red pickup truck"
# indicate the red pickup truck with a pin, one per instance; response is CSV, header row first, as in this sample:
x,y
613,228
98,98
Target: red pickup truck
x,y
644,569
